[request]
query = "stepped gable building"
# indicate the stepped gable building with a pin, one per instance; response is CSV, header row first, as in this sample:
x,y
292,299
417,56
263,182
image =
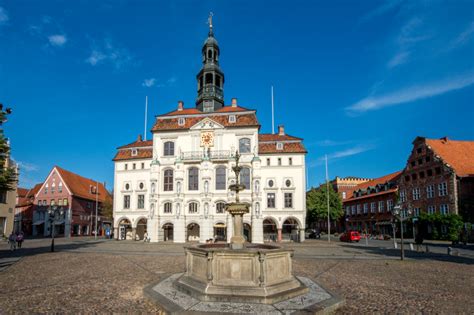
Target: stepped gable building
x,y
370,204
77,196
345,185
175,186
439,177
24,209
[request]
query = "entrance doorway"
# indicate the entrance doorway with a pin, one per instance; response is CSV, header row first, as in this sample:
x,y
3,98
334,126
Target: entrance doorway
x,y
290,230
125,230
168,232
248,232
269,230
141,230
220,232
192,232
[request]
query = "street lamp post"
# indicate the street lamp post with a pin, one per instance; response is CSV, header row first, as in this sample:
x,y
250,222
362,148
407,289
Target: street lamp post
x,y
53,212
398,214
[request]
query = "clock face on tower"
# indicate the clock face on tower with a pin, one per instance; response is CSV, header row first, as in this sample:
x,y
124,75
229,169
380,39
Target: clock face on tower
x,y
207,139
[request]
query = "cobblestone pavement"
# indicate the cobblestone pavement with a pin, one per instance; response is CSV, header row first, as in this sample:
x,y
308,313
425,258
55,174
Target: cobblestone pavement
x,y
108,276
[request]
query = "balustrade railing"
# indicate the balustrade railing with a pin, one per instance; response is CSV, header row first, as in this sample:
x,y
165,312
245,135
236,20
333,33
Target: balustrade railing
x,y
209,154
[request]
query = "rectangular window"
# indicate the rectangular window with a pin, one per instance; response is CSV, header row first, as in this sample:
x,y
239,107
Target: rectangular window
x,y
431,209
143,166
193,207
220,207
126,202
417,212
271,200
89,204
268,161
353,210
168,207
53,202
134,166
141,202
443,189
290,161
430,191
444,209
403,196
279,161
288,200
366,208
373,205
389,205
359,209
429,172
381,206
52,188
416,194
60,202
126,166
65,201
348,210
220,178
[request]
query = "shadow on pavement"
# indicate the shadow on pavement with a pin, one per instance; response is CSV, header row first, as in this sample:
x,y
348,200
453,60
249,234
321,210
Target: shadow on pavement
x,y
392,252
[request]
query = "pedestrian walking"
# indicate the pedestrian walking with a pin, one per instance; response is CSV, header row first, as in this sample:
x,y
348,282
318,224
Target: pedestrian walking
x,y
145,237
12,241
19,239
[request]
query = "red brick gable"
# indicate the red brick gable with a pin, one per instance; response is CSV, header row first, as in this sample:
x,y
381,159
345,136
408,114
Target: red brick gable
x,y
458,154
81,186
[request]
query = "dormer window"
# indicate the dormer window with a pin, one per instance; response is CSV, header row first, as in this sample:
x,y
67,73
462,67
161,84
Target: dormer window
x,y
181,121
279,146
232,119
134,152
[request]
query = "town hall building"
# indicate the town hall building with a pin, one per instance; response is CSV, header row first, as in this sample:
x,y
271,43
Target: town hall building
x,y
175,186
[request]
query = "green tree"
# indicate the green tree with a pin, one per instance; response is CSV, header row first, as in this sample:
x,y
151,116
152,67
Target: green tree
x,y
107,208
316,204
8,174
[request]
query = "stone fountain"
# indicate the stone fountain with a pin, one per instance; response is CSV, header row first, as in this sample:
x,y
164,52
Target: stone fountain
x,y
239,277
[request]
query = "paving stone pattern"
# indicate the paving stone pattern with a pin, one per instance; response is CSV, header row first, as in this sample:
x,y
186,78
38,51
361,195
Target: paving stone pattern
x,y
110,277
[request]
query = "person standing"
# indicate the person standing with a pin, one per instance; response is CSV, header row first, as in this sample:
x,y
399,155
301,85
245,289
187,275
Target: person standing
x,y
12,241
19,239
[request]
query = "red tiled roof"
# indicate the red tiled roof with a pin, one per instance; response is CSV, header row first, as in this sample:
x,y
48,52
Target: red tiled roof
x,y
136,144
21,192
184,111
392,190
275,137
127,154
167,124
228,109
458,154
24,198
291,147
81,186
374,182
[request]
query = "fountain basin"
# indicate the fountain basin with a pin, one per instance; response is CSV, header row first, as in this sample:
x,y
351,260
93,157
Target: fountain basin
x,y
256,273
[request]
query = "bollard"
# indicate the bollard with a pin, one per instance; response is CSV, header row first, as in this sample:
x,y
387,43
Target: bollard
x,y
450,251
427,249
395,245
411,246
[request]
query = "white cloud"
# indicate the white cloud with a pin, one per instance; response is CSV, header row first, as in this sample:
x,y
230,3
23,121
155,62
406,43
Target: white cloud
x,y
3,16
411,94
398,59
108,52
57,40
355,150
149,82
464,37
172,80
380,10
330,143
28,167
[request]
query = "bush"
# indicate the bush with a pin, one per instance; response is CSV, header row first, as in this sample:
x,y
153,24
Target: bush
x,y
386,237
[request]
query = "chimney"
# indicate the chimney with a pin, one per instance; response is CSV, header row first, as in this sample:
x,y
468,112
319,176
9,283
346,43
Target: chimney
x,y
139,138
234,102
281,130
180,105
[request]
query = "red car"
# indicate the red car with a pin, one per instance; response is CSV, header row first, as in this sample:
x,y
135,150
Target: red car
x,y
350,236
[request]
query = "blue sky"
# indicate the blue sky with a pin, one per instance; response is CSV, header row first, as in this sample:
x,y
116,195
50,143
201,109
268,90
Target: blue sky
x,y
358,80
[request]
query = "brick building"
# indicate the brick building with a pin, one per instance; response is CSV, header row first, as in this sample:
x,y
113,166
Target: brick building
x,y
344,186
370,204
24,208
77,196
439,177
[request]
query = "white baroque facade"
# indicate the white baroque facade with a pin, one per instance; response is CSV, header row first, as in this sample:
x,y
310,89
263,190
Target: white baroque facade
x,y
174,187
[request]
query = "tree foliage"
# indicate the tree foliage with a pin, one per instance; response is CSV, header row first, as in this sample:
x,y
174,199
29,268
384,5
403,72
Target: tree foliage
x,y
316,204
8,174
452,222
107,208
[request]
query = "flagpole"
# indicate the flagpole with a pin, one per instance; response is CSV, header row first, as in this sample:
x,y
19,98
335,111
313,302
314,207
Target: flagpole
x,y
96,205
146,112
327,195
273,115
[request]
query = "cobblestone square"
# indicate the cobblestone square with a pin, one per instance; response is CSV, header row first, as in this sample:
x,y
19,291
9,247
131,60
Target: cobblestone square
x,y
109,276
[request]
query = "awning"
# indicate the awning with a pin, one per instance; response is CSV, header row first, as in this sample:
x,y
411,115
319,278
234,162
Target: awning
x,y
38,223
219,225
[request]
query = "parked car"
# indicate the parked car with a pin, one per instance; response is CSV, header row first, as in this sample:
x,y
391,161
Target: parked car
x,y
312,233
350,236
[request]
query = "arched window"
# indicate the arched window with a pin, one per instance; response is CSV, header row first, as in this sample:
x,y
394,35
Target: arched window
x,y
168,207
220,178
168,180
218,81
193,207
220,207
209,78
169,148
245,177
193,178
244,145
209,54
